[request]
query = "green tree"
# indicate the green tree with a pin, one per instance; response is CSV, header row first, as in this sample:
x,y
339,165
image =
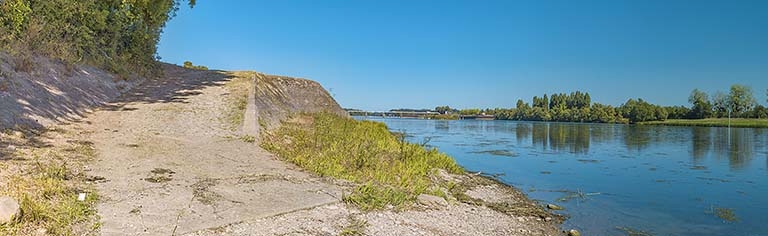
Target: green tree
x,y
740,99
469,112
444,109
720,104
118,35
701,108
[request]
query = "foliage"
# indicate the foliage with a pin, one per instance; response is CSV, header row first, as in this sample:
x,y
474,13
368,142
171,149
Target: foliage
x,y
469,112
189,65
574,107
445,110
640,110
720,104
740,99
119,35
389,170
714,122
701,108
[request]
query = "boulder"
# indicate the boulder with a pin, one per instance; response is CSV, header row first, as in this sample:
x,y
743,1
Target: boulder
x,y
573,232
431,201
554,207
9,210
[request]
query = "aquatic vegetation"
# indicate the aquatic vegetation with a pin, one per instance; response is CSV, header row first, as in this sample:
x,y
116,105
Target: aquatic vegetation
x,y
697,167
505,153
588,161
726,214
633,232
578,194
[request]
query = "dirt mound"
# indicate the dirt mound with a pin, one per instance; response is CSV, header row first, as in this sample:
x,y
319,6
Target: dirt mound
x,y
276,97
37,91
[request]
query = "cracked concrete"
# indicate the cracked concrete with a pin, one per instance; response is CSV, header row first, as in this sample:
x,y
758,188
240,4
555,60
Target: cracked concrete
x,y
171,166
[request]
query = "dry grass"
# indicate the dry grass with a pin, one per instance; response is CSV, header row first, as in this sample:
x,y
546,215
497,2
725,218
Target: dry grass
x,y
46,180
237,100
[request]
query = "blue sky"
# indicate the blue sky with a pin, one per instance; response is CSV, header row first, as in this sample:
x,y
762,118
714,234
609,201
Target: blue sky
x,y
378,55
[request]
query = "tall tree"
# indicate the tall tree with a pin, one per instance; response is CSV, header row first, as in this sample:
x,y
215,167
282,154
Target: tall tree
x,y
701,108
740,99
720,104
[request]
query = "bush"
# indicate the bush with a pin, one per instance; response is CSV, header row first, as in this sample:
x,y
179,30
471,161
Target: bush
x,y
113,34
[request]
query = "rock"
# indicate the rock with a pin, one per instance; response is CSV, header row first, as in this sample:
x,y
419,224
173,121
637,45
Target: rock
x,y
9,210
431,200
573,232
555,207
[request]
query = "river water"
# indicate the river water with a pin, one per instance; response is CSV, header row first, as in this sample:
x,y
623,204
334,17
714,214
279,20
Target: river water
x,y
616,179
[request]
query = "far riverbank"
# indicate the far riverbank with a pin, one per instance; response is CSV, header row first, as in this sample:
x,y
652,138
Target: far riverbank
x,y
713,122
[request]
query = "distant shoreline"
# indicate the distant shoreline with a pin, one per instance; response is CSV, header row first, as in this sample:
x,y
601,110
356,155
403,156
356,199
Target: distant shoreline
x,y
713,122
709,122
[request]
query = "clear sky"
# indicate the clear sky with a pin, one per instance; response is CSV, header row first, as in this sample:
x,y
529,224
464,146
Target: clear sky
x,y
378,55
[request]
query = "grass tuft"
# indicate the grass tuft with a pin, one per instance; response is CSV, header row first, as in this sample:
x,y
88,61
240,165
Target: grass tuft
x,y
389,170
237,100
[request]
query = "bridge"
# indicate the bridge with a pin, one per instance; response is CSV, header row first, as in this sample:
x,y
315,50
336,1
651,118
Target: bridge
x,y
415,114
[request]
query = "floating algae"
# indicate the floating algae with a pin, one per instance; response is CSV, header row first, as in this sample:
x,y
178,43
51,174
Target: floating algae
x,y
634,232
726,214
505,153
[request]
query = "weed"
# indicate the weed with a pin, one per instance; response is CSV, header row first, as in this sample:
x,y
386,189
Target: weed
x,y
202,194
356,227
162,171
158,179
160,175
23,63
390,170
248,139
237,100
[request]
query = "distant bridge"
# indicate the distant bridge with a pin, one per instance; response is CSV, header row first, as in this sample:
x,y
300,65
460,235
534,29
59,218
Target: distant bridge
x,y
401,114
415,114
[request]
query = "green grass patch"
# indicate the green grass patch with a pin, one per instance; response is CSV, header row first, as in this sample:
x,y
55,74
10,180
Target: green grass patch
x,y
713,122
389,170
48,200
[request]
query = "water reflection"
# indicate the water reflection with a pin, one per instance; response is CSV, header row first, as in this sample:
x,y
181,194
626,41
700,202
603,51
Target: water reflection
x,y
702,141
636,137
442,125
539,135
735,144
522,132
573,138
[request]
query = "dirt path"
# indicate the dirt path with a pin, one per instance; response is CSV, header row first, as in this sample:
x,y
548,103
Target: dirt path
x,y
171,166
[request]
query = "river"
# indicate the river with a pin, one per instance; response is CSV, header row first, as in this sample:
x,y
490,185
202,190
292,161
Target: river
x,y
617,179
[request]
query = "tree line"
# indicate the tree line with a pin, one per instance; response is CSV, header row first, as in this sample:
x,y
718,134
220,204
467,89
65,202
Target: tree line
x,y
577,106
118,35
